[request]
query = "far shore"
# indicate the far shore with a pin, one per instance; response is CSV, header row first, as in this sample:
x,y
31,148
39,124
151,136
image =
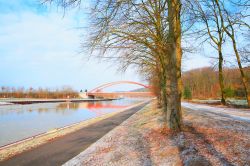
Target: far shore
x,y
7,101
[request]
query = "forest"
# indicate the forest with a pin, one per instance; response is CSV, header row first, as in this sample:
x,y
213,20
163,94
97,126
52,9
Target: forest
x,y
203,83
21,92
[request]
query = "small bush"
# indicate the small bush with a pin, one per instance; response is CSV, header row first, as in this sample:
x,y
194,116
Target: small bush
x,y
187,94
229,92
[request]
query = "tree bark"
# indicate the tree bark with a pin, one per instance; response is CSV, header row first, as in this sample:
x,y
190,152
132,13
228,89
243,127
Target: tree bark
x,y
244,79
174,117
221,77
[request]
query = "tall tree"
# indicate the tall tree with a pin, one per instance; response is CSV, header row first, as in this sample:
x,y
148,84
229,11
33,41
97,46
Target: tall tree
x,y
174,84
206,12
228,22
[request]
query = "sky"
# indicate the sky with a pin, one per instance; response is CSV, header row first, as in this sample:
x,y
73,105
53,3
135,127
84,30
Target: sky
x,y
40,47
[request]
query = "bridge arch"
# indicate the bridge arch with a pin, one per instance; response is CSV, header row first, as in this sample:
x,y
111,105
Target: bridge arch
x,y
99,88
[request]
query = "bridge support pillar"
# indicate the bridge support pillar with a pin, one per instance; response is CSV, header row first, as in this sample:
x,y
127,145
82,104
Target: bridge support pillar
x,y
83,95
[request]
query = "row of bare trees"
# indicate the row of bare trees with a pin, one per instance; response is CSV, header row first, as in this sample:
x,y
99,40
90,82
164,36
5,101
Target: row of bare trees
x,y
142,33
148,34
221,22
12,92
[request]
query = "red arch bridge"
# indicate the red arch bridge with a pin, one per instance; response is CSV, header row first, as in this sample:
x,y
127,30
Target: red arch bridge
x,y
99,93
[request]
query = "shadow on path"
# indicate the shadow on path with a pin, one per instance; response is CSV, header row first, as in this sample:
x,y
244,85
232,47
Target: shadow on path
x,y
189,148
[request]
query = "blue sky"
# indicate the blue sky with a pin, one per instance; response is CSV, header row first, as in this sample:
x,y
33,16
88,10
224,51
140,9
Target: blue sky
x,y
39,47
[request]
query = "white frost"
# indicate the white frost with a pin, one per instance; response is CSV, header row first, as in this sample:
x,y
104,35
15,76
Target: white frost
x,y
236,114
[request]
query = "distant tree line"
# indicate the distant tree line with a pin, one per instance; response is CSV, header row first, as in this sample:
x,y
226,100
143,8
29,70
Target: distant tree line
x,y
21,92
203,83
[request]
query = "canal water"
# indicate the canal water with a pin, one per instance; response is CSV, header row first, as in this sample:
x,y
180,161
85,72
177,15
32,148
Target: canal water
x,y
21,121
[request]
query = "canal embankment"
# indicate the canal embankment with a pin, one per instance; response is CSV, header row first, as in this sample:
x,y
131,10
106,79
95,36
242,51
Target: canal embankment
x,y
19,121
207,138
61,144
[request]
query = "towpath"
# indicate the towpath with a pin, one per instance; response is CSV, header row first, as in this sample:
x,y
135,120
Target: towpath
x,y
60,150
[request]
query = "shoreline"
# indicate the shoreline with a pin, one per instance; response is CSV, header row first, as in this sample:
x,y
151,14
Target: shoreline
x,y
34,101
12,149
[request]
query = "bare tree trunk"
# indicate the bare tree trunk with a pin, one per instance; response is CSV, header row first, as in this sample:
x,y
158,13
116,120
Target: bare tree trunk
x,y
179,59
232,36
244,79
165,104
221,77
173,100
174,65
164,93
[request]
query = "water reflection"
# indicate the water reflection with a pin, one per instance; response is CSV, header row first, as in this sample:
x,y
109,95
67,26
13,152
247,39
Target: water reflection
x,y
62,107
21,121
89,106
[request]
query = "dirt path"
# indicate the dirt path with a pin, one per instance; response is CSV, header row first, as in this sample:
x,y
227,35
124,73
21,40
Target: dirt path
x,y
63,149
